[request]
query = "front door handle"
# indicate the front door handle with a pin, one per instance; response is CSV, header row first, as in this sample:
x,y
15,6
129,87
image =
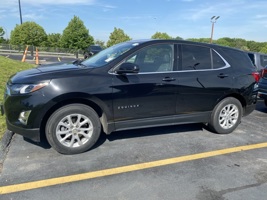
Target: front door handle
x,y
223,75
168,79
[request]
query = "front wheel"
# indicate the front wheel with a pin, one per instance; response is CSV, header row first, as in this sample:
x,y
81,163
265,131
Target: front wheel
x,y
265,102
73,129
226,116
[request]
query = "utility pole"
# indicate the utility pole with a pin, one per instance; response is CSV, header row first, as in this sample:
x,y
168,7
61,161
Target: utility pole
x,y
213,21
20,12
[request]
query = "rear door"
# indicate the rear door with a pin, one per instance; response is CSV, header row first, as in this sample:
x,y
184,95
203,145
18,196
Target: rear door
x,y
203,79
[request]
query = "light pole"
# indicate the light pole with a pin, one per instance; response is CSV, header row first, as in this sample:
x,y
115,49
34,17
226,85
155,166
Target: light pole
x,y
213,21
20,12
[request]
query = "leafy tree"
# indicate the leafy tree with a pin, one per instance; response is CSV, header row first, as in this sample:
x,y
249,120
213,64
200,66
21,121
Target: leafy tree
x,y
75,35
253,46
100,43
117,36
178,38
223,42
264,49
53,40
240,43
2,33
28,33
203,40
159,35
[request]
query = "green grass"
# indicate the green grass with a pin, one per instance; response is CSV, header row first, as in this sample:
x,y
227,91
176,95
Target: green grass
x,y
7,68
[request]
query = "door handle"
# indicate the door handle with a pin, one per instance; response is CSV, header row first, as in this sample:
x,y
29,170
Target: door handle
x,y
168,79
223,75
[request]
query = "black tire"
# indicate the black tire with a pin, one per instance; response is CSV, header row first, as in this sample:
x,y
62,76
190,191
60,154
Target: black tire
x,y
226,116
265,102
73,129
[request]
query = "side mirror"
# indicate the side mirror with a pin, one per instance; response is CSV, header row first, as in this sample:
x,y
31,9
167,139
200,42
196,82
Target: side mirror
x,y
127,68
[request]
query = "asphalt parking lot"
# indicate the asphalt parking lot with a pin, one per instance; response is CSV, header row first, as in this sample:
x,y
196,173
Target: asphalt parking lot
x,y
175,162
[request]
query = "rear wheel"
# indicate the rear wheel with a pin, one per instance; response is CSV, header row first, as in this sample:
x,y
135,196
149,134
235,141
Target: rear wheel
x,y
73,129
265,101
226,116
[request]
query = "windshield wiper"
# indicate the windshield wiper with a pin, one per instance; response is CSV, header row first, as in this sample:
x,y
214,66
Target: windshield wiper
x,y
78,62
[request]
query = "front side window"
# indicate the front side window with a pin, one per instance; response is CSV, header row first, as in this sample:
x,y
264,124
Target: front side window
x,y
155,58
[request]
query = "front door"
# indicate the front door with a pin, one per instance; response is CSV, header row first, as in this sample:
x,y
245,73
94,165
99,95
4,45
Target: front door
x,y
151,93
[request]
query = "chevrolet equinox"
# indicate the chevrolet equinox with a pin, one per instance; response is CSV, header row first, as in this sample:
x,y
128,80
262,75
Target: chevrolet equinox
x,y
135,84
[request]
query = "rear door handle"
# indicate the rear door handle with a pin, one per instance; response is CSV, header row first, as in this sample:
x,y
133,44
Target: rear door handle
x,y
168,79
223,75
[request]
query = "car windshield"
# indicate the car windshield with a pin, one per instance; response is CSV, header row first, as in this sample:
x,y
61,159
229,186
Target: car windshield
x,y
109,54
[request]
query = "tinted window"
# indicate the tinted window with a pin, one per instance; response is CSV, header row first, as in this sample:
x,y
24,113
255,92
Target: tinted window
x,y
195,57
217,61
263,59
156,58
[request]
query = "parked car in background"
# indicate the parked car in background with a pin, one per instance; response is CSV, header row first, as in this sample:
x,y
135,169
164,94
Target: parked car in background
x,y
258,59
263,85
92,50
135,84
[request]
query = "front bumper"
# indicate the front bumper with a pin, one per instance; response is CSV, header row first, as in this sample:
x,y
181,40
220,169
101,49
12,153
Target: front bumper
x,y
32,134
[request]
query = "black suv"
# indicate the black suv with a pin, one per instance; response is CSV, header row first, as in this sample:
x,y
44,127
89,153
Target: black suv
x,y
135,84
92,50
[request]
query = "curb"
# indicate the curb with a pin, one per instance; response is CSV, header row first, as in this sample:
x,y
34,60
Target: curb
x,y
5,144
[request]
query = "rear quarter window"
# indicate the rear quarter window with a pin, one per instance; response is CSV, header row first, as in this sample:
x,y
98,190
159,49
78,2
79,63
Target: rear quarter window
x,y
263,59
237,58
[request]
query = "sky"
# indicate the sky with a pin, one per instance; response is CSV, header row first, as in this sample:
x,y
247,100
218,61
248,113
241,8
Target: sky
x,y
140,19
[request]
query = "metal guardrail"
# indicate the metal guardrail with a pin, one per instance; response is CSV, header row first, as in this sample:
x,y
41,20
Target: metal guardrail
x,y
55,52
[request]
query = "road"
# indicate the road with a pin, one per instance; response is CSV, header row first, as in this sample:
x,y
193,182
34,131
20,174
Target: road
x,y
175,162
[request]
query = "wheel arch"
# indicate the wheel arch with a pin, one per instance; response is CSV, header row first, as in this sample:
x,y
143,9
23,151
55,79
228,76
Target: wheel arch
x,y
239,97
89,102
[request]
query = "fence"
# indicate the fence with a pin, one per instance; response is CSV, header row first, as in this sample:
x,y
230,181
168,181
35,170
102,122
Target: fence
x,y
51,51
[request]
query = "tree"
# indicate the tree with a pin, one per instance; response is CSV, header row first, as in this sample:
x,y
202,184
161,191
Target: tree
x,y
76,36
53,40
240,43
263,49
100,43
117,36
2,33
159,35
28,33
223,42
203,40
178,38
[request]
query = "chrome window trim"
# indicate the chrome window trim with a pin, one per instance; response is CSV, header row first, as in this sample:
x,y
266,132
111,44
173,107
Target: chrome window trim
x,y
227,65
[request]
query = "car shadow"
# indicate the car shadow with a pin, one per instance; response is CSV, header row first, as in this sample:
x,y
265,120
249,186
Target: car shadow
x,y
127,134
162,130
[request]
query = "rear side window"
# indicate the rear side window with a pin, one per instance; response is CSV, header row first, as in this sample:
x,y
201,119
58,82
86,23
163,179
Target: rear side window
x,y
200,58
195,57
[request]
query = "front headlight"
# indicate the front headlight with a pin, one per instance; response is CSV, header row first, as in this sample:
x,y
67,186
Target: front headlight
x,y
26,88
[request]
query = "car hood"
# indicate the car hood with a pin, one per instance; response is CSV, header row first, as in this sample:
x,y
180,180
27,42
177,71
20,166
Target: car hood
x,y
47,72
